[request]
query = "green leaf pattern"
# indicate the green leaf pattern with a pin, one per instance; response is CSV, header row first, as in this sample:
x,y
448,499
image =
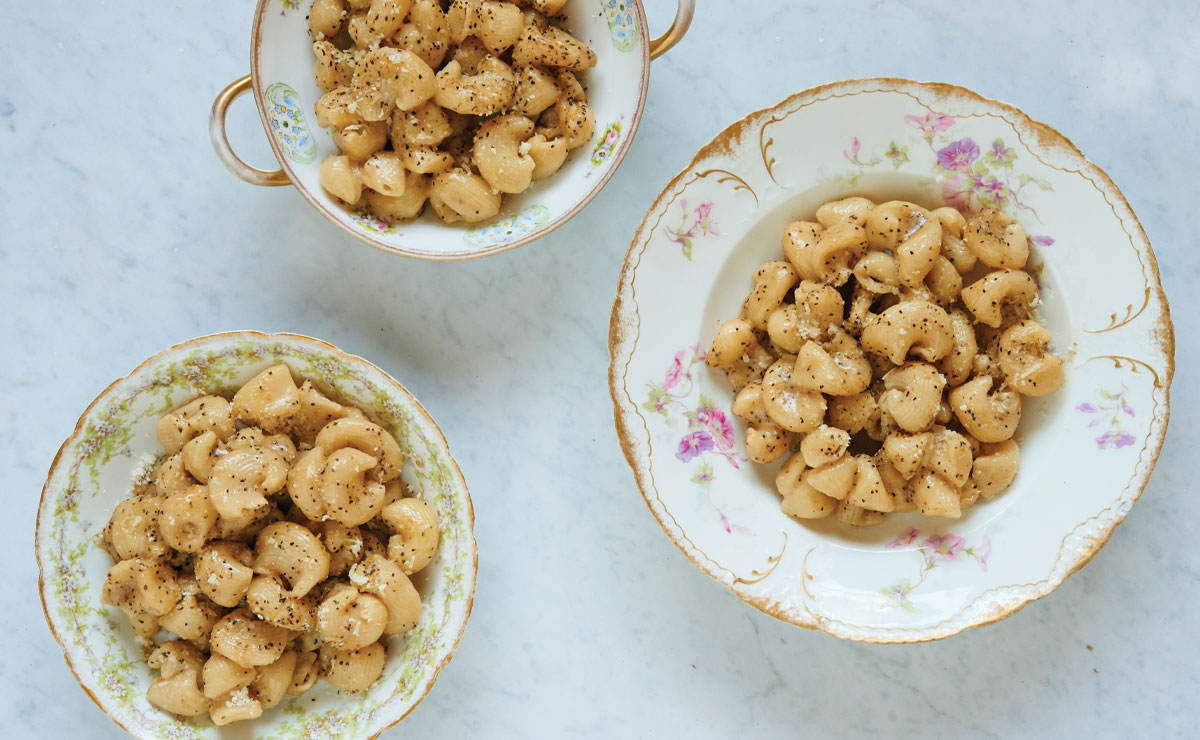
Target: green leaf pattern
x,y
94,635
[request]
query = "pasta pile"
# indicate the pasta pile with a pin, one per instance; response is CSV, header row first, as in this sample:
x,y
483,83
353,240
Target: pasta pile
x,y
891,350
275,542
456,106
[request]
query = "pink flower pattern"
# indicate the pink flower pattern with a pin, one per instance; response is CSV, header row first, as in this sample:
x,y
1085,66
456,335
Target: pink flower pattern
x,y
853,157
367,222
709,430
931,123
983,552
1111,411
992,187
694,224
606,143
905,539
971,177
719,428
676,371
955,194
958,155
730,527
944,548
936,550
693,445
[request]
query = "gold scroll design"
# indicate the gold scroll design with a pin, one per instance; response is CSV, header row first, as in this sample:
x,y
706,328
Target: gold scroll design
x,y
725,176
764,145
1130,315
805,577
757,575
1120,362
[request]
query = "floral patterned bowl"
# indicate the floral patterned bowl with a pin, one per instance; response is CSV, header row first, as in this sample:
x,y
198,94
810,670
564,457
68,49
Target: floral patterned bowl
x,y
114,442
281,75
1087,451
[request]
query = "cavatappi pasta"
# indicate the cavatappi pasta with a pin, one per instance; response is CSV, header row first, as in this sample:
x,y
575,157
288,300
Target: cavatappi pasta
x,y
454,103
273,546
886,356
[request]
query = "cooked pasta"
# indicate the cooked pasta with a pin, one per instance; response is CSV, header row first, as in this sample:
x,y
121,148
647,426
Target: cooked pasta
x,y
889,353
258,547
477,97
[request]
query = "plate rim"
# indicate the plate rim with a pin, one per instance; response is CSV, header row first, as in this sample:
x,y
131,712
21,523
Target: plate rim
x,y
257,336
1162,334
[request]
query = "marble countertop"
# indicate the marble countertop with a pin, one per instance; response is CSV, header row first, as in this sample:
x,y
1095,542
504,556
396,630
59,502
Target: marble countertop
x,y
122,234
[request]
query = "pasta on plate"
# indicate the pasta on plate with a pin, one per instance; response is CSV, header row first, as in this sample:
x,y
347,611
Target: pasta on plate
x,y
886,356
275,545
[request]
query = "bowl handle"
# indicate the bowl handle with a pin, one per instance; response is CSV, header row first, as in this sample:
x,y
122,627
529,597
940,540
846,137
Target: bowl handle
x,y
683,19
216,131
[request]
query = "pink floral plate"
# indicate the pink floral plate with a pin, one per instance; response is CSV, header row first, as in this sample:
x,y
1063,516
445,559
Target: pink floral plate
x,y
1086,451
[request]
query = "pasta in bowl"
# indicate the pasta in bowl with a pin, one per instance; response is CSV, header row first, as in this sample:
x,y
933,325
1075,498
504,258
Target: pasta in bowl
x,y
447,131
274,518
896,367
762,339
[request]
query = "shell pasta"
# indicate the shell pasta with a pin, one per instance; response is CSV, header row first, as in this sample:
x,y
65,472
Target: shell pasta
x,y
886,357
274,547
454,104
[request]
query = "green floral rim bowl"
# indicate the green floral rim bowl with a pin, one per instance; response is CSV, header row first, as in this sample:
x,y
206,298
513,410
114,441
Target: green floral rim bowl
x,y
115,441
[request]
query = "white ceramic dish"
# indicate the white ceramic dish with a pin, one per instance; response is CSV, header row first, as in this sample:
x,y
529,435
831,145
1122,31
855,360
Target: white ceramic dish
x,y
1087,451
281,76
95,468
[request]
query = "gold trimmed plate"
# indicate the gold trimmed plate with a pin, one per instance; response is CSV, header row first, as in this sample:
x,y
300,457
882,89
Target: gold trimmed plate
x,y
115,442
282,59
1086,451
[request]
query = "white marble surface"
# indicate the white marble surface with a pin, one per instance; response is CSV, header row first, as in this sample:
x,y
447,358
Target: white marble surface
x,y
120,234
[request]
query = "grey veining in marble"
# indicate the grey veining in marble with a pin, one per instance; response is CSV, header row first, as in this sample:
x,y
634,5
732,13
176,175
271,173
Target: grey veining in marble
x,y
120,234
